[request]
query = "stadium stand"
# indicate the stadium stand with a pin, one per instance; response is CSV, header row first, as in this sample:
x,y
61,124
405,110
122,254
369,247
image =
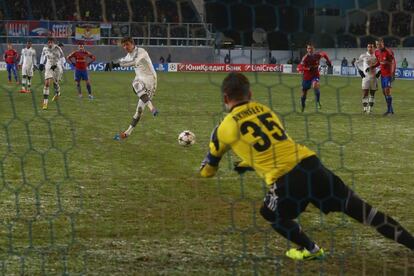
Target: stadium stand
x,y
165,11
293,25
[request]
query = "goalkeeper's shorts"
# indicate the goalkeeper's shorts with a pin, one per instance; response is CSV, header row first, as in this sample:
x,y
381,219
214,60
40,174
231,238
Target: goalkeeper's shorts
x,y
308,182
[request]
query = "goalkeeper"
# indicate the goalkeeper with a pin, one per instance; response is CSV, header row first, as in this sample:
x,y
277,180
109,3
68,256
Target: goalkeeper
x,y
144,84
293,173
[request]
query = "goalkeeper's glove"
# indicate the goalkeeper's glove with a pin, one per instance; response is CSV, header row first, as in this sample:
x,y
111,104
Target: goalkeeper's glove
x,y
361,74
209,165
53,67
207,170
120,136
111,65
241,167
378,74
41,67
367,70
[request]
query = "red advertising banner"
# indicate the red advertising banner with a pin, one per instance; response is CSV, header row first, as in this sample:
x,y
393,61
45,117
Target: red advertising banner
x,y
219,67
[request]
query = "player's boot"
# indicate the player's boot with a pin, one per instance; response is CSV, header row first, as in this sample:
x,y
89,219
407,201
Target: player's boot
x,y
44,106
318,105
56,97
302,254
155,112
23,90
120,136
91,97
80,95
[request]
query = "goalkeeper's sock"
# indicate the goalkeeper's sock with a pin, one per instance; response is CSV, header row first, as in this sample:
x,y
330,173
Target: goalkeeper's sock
x,y
89,88
292,231
383,223
315,249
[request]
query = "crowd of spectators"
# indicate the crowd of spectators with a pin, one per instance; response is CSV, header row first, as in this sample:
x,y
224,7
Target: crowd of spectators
x,y
357,28
378,24
92,10
117,10
401,24
393,21
408,5
167,11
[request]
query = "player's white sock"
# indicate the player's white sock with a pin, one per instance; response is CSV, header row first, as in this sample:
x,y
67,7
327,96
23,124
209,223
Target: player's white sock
x,y
150,106
129,130
29,82
23,82
45,94
371,101
365,103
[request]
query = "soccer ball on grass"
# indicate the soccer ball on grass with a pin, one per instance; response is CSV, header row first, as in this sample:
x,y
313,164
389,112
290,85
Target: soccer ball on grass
x,y
186,138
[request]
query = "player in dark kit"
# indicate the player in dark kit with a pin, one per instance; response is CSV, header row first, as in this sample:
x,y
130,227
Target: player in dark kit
x,y
386,61
11,58
310,67
79,59
293,173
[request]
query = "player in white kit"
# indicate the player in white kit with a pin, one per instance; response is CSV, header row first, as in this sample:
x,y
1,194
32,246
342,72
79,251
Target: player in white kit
x,y
27,63
144,83
51,55
369,77
61,64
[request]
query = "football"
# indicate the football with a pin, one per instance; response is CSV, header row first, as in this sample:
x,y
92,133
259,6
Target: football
x,y
186,138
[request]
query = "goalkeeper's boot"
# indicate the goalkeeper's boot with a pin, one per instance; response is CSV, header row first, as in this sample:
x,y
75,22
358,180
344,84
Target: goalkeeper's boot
x,y
302,254
44,106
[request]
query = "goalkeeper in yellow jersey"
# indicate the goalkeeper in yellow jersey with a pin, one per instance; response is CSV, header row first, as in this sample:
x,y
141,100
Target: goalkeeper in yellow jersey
x,y
293,173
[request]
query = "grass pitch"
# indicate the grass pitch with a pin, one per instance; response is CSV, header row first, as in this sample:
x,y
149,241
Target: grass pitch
x,y
74,201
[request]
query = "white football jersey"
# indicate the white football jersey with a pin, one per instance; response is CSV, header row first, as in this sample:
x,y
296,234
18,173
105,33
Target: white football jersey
x,y
28,57
142,63
366,60
51,55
